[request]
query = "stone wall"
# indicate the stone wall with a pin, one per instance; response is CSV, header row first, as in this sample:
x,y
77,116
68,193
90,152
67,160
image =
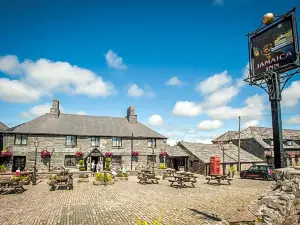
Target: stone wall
x,y
56,143
280,206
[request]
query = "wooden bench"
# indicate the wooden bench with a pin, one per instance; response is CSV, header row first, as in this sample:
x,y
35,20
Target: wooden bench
x,y
61,181
219,179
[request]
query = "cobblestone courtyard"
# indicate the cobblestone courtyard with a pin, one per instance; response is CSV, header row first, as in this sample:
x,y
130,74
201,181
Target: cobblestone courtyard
x,y
123,201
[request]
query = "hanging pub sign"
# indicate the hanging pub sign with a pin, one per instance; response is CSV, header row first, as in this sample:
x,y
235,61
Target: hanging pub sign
x,y
274,48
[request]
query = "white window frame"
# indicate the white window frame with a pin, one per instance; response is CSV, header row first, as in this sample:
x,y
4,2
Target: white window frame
x,y
116,142
150,142
72,141
21,140
95,141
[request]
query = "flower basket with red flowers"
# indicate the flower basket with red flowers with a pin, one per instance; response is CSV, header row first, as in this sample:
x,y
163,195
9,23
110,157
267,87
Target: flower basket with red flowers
x,y
6,154
108,154
45,154
78,154
135,153
163,154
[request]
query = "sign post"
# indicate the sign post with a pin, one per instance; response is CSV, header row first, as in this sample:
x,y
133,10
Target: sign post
x,y
274,51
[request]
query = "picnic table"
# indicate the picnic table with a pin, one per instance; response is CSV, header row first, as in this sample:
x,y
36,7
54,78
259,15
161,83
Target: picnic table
x,y
146,177
11,186
62,181
181,178
219,178
169,173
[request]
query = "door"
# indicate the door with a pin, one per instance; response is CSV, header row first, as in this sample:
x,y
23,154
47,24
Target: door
x,y
175,164
18,162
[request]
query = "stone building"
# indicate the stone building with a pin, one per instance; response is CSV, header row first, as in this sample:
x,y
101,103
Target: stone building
x,y
199,156
259,141
3,127
65,134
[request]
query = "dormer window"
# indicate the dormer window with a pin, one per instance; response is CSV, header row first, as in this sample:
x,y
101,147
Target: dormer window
x,y
271,142
289,143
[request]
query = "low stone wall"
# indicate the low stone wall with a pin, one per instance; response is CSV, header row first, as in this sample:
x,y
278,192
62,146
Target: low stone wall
x,y
280,206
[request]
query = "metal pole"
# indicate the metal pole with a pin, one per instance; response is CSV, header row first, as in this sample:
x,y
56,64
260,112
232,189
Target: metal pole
x,y
34,169
131,148
275,97
239,146
153,159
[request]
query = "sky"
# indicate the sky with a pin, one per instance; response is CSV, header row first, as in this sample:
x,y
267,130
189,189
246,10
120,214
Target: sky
x,y
181,64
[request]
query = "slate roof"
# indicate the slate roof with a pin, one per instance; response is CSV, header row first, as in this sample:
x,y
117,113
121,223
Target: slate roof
x,y
229,135
205,151
83,125
3,127
176,151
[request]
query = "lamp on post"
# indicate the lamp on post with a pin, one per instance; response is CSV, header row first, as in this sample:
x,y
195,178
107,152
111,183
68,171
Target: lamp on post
x,y
153,146
36,145
221,146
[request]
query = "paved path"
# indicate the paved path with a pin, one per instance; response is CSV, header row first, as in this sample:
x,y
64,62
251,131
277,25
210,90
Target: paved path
x,y
120,203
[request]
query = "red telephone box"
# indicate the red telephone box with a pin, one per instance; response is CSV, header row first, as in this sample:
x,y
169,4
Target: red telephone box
x,y
215,165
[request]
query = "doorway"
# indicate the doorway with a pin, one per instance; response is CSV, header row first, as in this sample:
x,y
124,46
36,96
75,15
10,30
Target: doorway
x,y
175,164
18,161
95,158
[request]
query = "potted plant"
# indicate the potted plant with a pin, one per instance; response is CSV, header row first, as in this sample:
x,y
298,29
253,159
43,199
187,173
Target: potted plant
x,y
45,154
81,165
108,154
101,178
163,154
6,154
135,155
79,155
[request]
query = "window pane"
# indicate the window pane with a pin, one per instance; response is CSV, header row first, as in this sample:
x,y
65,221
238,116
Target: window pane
x,y
73,140
18,139
70,160
116,142
24,139
149,143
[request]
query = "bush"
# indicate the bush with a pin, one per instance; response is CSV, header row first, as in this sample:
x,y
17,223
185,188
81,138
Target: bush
x,y
16,178
162,166
3,168
53,177
24,178
107,163
81,168
100,177
81,162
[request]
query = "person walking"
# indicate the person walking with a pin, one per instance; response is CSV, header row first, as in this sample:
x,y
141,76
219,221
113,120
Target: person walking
x,y
93,167
98,167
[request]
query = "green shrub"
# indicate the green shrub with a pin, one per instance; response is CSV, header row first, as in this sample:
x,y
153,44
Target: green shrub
x,y
100,177
24,178
162,166
3,168
81,168
81,162
107,163
125,174
16,178
53,177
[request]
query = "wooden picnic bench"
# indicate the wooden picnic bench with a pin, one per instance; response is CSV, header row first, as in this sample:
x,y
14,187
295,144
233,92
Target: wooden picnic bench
x,y
182,178
146,177
218,178
61,181
11,186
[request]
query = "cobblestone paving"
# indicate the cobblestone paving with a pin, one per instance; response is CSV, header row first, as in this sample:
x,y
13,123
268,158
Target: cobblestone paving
x,y
122,202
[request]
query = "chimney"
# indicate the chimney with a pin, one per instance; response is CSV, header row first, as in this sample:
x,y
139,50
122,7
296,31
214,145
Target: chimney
x,y
54,110
131,117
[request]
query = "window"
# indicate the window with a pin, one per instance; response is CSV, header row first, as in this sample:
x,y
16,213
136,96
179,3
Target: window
x,y
116,142
271,142
289,143
151,141
70,160
116,159
95,141
21,139
71,140
150,158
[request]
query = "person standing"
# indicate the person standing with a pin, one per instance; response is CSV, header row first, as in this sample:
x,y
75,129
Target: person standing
x,y
93,167
232,170
98,167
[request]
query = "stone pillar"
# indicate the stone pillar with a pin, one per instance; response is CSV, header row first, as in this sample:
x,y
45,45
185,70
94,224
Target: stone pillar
x,y
54,110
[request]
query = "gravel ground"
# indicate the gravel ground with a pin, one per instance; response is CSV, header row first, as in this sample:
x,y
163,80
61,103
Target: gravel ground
x,y
122,202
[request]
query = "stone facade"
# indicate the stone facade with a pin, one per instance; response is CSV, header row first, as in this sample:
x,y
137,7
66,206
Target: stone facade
x,y
57,145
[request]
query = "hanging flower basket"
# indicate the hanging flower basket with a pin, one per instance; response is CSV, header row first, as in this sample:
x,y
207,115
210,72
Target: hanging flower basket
x,y
135,153
108,154
79,154
45,154
163,154
6,154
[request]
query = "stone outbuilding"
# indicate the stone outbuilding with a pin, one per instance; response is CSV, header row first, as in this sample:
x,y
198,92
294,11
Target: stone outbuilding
x,y
199,156
65,134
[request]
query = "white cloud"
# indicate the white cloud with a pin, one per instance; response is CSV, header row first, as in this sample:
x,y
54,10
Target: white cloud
x,y
80,113
221,97
214,83
155,120
291,95
251,123
10,64
17,91
174,81
208,125
186,108
114,61
135,91
218,2
254,106
44,77
294,120
241,82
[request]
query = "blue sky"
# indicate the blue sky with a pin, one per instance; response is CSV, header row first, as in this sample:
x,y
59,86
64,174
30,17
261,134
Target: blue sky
x,y
100,57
